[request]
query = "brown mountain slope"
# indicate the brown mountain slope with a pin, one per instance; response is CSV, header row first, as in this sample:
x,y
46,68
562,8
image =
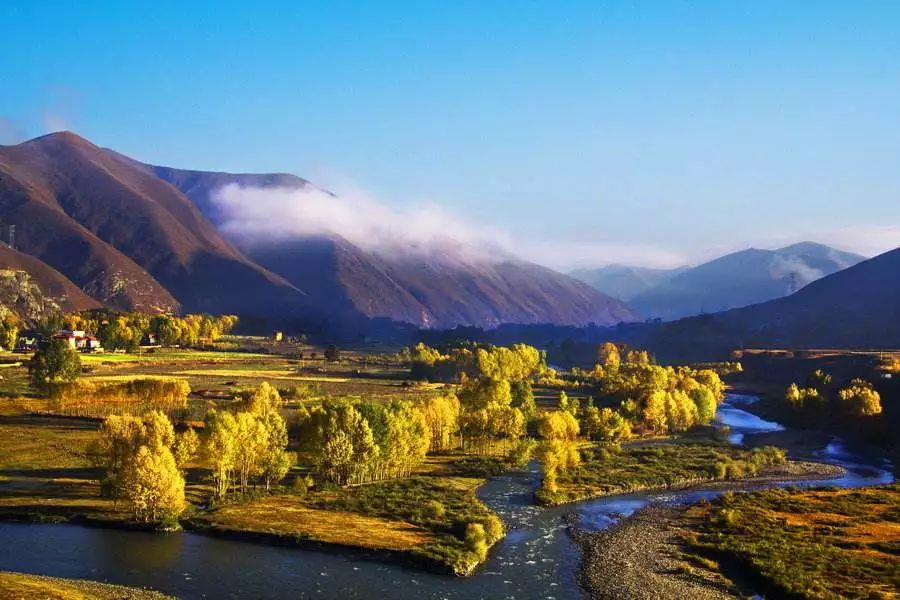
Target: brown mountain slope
x,y
136,234
437,289
53,284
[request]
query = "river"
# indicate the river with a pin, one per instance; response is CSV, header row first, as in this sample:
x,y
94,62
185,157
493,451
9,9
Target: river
x,y
537,559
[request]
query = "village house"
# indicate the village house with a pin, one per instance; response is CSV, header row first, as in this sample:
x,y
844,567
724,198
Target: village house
x,y
78,340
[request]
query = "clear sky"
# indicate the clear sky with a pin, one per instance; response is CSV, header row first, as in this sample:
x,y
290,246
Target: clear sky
x,y
595,131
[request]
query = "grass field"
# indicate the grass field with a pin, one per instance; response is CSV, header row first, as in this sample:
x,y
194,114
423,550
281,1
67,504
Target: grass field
x,y
17,586
832,543
606,471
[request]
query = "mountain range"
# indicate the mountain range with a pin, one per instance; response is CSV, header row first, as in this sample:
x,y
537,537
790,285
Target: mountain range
x,y
858,307
732,281
625,282
135,236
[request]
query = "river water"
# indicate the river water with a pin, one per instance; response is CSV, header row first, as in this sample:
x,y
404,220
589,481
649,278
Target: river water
x,y
537,559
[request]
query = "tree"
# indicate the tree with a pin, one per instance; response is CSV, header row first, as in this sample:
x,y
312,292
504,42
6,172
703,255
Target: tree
x,y
115,449
605,425
221,448
156,487
523,398
55,363
558,451
861,398
275,461
487,414
608,356
187,444
332,354
442,419
793,396
265,399
654,413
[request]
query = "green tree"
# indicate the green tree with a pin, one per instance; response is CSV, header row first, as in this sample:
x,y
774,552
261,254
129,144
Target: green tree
x,y
523,398
57,362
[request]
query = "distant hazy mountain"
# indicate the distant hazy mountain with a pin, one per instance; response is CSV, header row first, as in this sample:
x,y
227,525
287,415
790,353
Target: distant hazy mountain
x,y
624,282
741,279
855,308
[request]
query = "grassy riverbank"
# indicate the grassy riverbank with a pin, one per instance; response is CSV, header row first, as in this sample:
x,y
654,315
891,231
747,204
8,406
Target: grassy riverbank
x,y
805,543
421,520
45,475
22,585
608,471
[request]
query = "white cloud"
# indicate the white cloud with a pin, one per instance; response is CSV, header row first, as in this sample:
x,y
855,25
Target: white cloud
x,y
250,215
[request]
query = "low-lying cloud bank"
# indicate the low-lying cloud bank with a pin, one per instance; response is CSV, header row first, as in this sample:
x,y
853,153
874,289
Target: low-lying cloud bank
x,y
252,215
261,215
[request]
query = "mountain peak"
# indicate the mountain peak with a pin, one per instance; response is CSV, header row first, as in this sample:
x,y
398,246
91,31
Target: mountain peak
x,y
805,247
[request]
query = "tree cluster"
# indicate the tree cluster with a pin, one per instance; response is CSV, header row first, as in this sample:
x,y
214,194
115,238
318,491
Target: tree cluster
x,y
249,445
126,331
649,397
137,455
858,398
364,441
87,398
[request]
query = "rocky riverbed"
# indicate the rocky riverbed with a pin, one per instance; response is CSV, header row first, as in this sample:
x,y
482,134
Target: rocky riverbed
x,y
640,556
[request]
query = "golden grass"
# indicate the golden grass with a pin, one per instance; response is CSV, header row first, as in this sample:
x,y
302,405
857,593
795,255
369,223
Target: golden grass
x,y
260,374
284,515
44,443
21,585
130,377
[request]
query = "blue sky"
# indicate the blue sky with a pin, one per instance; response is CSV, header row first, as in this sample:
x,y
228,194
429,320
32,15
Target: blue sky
x,y
590,132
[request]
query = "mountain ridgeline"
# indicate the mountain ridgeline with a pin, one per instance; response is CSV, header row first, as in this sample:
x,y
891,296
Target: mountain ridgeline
x,y
141,237
740,279
858,307
625,282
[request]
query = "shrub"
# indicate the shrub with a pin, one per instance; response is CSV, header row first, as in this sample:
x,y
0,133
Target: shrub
x,y
476,540
435,509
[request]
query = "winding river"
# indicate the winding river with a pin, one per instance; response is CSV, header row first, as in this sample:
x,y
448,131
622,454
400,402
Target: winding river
x,y
537,559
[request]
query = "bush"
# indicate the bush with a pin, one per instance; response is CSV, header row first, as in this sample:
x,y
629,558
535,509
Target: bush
x,y
476,540
435,509
494,529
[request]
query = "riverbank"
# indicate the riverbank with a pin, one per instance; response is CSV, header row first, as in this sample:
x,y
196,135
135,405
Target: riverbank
x,y
802,543
24,585
676,466
422,521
